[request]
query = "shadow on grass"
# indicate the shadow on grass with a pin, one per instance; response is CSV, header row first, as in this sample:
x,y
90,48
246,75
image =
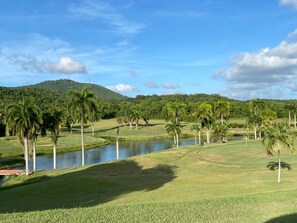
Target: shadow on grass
x,y
89,187
284,219
274,165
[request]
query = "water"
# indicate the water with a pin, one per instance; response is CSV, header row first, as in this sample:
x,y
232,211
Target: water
x,y
106,153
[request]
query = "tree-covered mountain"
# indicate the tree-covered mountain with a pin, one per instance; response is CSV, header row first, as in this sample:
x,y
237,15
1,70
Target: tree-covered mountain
x,y
64,86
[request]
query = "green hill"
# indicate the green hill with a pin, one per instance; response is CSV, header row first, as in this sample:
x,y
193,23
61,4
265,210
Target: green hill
x,y
64,86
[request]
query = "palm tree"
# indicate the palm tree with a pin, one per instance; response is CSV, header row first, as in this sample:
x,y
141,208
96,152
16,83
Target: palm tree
x,y
82,103
54,124
176,109
221,131
277,137
174,128
205,114
197,129
23,118
222,109
136,114
32,141
257,107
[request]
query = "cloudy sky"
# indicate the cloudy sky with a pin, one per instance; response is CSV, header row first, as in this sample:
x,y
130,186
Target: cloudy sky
x,y
241,49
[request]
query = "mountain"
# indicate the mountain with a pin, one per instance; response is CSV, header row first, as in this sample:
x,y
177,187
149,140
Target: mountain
x,y
64,86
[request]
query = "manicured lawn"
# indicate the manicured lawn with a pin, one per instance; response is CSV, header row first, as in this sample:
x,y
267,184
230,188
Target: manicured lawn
x,y
212,183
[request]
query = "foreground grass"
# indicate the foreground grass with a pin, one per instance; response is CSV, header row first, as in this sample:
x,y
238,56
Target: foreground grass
x,y
213,183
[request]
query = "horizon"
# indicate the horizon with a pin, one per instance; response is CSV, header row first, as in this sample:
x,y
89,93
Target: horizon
x,y
239,50
148,95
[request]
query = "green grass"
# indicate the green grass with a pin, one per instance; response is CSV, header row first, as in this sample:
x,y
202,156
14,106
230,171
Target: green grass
x,y
11,147
212,183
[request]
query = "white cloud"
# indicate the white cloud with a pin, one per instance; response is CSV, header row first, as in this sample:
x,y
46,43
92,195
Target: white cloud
x,y
292,3
151,84
65,65
267,69
170,86
122,88
108,14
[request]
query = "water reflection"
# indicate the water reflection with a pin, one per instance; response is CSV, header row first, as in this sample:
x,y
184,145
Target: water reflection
x,y
106,153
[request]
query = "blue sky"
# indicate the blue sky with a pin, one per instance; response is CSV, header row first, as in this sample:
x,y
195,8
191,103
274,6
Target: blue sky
x,y
240,49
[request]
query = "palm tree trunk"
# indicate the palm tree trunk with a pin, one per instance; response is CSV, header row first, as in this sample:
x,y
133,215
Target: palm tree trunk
x,y
279,166
54,156
117,143
289,118
222,118
82,143
255,132
26,155
207,136
130,125
136,124
71,125
34,157
199,137
176,139
195,139
93,128
295,121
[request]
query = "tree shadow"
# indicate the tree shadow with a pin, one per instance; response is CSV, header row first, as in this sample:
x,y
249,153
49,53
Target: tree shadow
x,y
274,165
283,219
88,187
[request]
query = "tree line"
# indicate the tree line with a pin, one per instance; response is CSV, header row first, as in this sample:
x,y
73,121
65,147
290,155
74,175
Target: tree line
x,y
208,113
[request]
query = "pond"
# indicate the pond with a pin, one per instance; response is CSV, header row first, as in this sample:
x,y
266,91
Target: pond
x,y
106,153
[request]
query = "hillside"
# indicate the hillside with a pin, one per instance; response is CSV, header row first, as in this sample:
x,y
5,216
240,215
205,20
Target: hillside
x,y
64,86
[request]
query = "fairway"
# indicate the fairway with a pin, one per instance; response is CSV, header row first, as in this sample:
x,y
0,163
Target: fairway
x,y
213,183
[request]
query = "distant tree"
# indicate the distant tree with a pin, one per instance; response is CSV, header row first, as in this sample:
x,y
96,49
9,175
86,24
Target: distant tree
x,y
221,131
222,109
197,129
174,128
81,105
54,124
290,108
23,118
257,107
136,114
205,114
176,110
277,137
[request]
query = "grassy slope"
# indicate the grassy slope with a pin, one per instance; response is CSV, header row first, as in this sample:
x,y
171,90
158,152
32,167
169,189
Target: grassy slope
x,y
213,183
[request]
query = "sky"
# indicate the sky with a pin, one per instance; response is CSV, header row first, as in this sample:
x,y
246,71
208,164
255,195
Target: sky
x,y
241,49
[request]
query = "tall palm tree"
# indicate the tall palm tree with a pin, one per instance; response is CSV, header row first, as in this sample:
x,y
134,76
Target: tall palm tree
x,y
23,118
205,114
82,103
257,107
222,109
197,129
174,128
54,124
277,137
176,109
